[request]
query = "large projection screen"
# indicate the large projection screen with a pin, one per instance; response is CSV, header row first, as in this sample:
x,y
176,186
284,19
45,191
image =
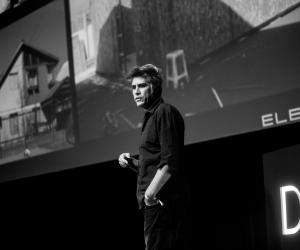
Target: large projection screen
x,y
230,68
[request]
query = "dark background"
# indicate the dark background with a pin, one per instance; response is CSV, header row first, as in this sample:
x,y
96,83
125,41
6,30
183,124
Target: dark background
x,y
95,205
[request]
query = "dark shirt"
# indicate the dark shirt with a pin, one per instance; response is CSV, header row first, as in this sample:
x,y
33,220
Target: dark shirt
x,y
162,142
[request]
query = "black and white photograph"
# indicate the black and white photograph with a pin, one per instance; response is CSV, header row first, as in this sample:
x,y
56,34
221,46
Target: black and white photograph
x,y
35,86
150,124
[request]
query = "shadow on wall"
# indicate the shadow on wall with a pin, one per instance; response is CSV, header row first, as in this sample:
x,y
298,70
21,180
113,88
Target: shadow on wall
x,y
196,27
143,31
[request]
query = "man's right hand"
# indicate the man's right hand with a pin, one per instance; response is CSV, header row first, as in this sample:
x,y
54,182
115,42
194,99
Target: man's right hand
x,y
124,159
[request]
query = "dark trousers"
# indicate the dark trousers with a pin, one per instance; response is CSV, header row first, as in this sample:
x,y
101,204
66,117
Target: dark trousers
x,y
165,227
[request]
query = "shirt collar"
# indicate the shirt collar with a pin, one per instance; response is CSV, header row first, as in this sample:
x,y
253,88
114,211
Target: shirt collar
x,y
154,105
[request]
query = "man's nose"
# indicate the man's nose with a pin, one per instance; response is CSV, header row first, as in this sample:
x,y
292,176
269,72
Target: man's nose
x,y
137,91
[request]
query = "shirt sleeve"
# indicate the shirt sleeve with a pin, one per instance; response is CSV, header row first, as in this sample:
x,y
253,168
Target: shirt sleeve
x,y
170,128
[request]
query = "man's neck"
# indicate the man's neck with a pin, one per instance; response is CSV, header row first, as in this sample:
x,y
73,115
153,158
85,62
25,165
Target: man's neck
x,y
152,104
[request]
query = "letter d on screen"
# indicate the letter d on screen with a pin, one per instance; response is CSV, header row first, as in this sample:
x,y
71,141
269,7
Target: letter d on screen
x,y
284,216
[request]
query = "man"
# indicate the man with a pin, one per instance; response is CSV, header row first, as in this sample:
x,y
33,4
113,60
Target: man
x,y
162,192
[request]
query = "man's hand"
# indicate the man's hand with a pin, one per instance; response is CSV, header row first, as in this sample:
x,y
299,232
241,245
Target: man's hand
x,y
151,201
161,177
124,160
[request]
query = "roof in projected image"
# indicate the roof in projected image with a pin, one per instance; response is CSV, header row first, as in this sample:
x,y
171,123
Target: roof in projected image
x,y
43,28
255,74
26,47
260,63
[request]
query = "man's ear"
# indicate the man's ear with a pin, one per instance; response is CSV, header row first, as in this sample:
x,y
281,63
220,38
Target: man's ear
x,y
151,89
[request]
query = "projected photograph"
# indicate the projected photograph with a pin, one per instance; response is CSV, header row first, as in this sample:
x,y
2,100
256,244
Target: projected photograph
x,y
35,87
215,56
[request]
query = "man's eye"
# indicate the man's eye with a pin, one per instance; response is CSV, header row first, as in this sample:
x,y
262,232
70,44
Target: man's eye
x,y
142,85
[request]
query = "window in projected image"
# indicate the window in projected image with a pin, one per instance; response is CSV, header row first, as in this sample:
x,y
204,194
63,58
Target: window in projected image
x,y
35,87
221,62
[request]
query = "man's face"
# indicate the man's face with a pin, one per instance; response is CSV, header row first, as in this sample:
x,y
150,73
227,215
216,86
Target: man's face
x,y
141,91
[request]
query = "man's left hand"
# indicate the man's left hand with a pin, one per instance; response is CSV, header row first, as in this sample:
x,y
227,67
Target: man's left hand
x,y
151,201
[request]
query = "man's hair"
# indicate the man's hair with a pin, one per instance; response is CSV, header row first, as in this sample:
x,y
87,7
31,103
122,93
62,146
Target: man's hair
x,y
152,75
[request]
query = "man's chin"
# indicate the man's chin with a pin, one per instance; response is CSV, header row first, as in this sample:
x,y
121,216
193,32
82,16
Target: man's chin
x,y
140,104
